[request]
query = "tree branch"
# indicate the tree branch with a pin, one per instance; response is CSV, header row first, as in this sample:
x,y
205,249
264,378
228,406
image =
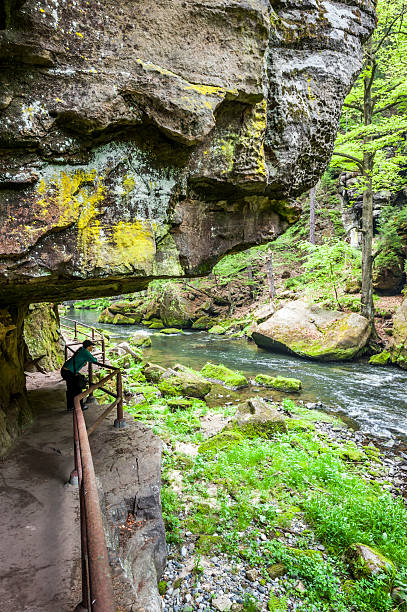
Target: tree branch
x,y
354,107
357,161
391,105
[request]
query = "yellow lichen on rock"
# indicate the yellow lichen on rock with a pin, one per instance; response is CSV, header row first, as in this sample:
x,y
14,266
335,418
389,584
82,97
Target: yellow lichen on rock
x,y
134,243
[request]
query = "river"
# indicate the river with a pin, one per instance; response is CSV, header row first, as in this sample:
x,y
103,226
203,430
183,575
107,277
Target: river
x,y
372,397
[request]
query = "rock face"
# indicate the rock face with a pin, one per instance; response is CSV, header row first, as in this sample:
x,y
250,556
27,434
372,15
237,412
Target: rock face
x,y
311,331
143,140
399,339
14,409
43,336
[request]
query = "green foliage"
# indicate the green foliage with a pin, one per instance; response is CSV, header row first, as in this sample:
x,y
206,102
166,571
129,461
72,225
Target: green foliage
x,y
229,494
392,240
326,268
384,136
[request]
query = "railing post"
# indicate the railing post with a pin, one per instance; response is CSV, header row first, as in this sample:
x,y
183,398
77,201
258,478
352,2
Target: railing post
x,y
119,422
76,331
90,399
103,350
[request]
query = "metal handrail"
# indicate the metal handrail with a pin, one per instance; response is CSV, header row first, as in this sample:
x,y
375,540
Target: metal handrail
x,y
97,586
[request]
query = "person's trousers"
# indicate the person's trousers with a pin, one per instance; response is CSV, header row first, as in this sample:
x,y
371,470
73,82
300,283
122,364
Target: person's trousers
x,y
73,387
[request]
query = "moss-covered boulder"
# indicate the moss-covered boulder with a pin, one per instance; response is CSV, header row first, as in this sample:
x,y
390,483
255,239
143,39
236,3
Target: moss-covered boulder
x,y
314,332
257,418
141,340
217,329
122,313
179,403
153,372
220,441
170,331
176,310
280,383
123,319
43,337
381,359
366,561
184,383
155,324
203,322
221,374
276,570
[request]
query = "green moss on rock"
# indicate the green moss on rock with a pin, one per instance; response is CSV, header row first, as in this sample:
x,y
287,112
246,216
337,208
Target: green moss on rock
x,y
223,440
224,375
280,383
381,359
203,322
366,561
217,329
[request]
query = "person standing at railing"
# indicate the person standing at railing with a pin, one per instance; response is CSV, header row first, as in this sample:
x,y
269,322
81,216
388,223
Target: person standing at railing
x,y
70,372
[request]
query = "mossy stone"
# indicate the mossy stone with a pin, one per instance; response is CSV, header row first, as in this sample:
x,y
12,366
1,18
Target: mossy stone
x,y
217,329
280,383
381,359
221,441
276,570
366,561
156,324
221,373
203,322
171,330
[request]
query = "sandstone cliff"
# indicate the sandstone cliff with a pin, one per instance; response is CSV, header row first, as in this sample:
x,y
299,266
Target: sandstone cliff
x,y
144,139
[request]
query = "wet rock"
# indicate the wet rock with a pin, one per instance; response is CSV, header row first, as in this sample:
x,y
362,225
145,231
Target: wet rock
x,y
313,332
42,336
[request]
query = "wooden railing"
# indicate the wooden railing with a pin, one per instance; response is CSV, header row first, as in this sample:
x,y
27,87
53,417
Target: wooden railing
x,y
97,588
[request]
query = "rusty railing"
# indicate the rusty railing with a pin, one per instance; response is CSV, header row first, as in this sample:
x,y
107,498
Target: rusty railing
x,y
97,588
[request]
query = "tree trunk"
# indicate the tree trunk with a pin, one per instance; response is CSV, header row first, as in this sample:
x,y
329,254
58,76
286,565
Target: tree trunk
x,y
250,279
312,215
270,276
367,306
367,238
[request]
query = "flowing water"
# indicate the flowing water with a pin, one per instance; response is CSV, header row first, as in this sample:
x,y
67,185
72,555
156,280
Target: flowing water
x,y
374,398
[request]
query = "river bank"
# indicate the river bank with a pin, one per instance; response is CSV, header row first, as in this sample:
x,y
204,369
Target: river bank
x,y
265,522
268,521
372,398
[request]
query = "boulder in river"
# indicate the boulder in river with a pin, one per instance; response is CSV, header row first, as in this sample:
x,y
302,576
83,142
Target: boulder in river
x,y
221,374
280,383
314,332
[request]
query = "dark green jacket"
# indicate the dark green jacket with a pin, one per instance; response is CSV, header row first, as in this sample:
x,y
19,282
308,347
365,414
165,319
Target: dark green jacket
x,y
77,361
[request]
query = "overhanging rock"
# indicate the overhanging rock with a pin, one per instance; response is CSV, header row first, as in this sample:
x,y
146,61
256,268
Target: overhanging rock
x,y
144,140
